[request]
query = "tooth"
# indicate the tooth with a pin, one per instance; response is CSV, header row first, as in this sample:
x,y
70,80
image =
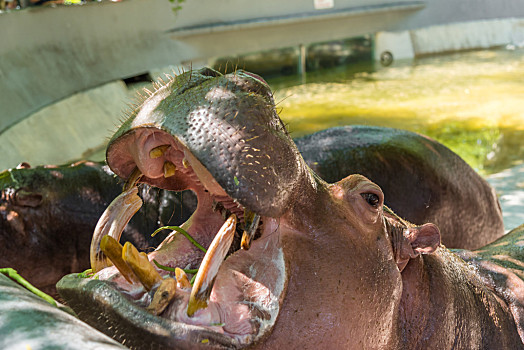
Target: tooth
x,y
182,279
169,169
132,180
112,223
185,163
159,151
113,250
163,296
209,268
143,269
251,221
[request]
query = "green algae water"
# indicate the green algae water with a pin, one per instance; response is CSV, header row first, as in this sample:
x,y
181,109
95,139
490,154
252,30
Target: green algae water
x,y
472,102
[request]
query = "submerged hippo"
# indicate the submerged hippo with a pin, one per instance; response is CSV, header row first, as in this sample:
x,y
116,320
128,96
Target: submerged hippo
x,y
291,261
48,214
423,181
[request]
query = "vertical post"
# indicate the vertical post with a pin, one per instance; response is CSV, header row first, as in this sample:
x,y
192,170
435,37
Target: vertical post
x,y
302,62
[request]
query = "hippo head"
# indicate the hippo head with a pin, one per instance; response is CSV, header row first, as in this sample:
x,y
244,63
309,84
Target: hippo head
x,y
38,207
290,260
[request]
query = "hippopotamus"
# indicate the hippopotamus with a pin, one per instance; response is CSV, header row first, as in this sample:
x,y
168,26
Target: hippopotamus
x,y
40,205
423,181
48,214
279,257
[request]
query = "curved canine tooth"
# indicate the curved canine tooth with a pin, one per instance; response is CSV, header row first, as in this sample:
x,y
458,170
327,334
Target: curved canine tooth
x,y
112,223
159,151
182,278
163,296
169,169
209,268
113,250
251,221
132,180
143,269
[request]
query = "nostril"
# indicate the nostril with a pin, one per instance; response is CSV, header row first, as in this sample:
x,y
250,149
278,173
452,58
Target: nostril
x,y
257,77
250,82
208,72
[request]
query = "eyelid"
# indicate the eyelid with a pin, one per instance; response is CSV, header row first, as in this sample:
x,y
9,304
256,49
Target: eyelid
x,y
371,189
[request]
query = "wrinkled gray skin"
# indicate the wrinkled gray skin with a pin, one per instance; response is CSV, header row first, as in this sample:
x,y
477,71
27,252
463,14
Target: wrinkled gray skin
x,y
356,275
423,181
501,268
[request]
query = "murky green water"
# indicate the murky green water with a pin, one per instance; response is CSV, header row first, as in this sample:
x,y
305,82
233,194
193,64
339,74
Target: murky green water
x,y
472,102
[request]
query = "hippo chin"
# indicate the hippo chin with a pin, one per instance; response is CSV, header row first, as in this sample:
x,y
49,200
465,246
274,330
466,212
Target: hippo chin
x,y
291,260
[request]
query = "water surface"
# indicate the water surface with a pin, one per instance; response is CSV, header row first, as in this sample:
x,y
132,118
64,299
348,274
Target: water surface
x,y
472,102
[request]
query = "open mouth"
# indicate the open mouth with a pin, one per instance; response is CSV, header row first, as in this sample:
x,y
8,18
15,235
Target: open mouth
x,y
217,279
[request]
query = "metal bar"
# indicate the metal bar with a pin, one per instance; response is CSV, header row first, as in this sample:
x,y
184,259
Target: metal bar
x,y
302,62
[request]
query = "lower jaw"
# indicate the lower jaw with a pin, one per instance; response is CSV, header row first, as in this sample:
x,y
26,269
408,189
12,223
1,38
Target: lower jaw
x,y
101,305
249,282
243,304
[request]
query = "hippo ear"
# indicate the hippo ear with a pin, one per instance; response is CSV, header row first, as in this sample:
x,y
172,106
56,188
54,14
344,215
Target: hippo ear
x,y
423,239
418,240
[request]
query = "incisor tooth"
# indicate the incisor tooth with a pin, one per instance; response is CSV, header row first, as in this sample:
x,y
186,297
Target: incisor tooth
x,y
139,263
113,250
112,223
169,169
158,152
210,264
163,296
182,278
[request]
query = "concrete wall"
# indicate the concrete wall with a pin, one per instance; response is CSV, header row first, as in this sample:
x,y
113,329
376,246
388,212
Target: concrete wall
x,y
467,36
51,53
48,55
481,34
66,130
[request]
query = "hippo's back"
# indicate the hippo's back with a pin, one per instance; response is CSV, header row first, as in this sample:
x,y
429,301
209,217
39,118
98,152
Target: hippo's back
x,y
423,181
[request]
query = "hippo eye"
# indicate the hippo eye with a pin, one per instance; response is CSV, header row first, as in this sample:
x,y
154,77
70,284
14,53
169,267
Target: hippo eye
x,y
371,198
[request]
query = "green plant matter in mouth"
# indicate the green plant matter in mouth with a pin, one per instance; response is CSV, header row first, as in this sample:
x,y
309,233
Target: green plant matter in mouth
x,y
173,269
182,231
